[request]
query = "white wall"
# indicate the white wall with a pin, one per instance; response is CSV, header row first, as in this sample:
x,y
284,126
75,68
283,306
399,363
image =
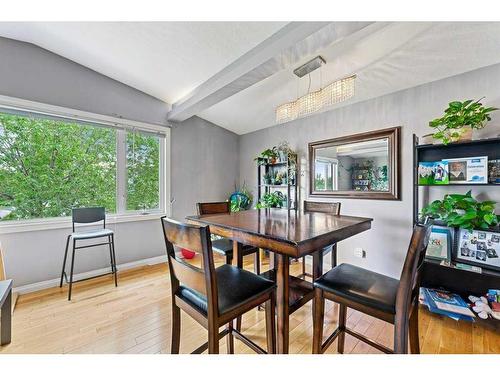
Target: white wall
x,y
386,243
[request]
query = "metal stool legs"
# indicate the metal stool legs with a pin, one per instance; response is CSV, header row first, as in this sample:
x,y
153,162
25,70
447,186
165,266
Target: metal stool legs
x,y
71,272
63,273
112,257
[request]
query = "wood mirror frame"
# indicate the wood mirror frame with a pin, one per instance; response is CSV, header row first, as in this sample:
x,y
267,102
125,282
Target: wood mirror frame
x,y
394,164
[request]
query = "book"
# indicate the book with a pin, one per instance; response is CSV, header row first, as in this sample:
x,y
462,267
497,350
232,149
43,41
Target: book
x,y
448,304
433,173
468,170
494,171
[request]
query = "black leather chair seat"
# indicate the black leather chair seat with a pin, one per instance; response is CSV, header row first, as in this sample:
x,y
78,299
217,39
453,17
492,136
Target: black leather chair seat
x,y
224,247
235,287
361,286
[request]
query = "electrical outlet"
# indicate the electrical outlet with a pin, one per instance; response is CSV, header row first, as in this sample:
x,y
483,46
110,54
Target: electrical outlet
x,y
359,252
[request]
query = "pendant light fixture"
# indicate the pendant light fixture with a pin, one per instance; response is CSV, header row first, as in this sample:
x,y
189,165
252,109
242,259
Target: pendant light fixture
x,y
333,93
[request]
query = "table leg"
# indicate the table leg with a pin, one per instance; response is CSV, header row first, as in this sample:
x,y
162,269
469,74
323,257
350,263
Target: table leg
x,y
317,270
6,322
282,307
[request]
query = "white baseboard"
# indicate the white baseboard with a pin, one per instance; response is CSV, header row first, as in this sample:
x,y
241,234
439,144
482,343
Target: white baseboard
x,y
54,282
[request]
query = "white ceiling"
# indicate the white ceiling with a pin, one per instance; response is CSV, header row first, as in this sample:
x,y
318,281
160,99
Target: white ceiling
x,y
170,59
164,59
398,56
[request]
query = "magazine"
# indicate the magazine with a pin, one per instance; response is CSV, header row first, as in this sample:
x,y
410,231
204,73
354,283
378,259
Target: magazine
x,y
494,171
468,170
449,304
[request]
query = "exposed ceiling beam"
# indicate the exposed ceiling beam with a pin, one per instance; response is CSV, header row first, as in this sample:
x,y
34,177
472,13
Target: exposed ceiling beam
x,y
287,46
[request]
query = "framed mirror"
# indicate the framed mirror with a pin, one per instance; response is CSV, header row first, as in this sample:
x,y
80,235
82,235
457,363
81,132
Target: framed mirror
x,y
364,165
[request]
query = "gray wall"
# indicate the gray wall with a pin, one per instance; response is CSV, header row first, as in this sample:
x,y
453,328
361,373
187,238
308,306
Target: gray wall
x,y
204,158
205,164
37,256
33,73
387,242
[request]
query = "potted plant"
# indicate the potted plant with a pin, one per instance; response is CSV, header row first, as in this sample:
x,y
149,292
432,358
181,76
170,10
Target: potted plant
x,y
278,179
267,179
459,119
463,211
269,155
241,199
272,200
283,150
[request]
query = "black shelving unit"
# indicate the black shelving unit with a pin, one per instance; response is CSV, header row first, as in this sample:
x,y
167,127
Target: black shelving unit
x,y
435,275
289,169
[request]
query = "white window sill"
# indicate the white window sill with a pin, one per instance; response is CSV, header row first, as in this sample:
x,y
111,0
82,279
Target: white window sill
x,y
64,223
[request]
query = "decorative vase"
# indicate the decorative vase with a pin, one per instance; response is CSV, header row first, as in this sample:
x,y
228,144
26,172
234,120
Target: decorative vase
x,y
282,156
427,139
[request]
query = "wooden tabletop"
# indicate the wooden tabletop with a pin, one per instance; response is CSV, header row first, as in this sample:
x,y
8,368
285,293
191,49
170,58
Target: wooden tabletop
x,y
293,233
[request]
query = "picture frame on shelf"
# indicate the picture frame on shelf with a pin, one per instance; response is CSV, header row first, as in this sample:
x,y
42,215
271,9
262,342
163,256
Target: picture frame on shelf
x,y
433,173
472,170
478,248
440,243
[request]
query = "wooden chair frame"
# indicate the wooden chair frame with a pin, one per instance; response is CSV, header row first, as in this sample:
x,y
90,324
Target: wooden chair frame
x,y
405,320
212,208
203,280
329,208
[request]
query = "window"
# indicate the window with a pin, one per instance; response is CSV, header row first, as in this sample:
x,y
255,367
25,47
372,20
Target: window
x,y
49,165
326,174
143,167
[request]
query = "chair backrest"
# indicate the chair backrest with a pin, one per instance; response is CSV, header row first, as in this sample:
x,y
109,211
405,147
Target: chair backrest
x,y
195,238
212,208
411,275
87,215
326,207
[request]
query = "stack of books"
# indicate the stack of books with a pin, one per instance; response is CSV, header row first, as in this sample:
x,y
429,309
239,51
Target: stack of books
x,y
446,303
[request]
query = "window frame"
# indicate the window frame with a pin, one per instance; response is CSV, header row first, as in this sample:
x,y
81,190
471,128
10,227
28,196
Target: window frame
x,y
122,126
333,167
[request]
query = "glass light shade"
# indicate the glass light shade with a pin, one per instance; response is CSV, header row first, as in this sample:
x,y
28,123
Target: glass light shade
x,y
286,112
331,94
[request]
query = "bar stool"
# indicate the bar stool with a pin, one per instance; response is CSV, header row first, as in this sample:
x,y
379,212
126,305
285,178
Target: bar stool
x,y
329,208
394,301
214,297
87,216
224,246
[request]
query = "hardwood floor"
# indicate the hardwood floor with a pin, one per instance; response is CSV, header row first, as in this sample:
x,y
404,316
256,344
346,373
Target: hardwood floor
x,y
135,318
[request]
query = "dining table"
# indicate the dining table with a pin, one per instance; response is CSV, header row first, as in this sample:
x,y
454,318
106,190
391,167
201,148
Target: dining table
x,y
287,234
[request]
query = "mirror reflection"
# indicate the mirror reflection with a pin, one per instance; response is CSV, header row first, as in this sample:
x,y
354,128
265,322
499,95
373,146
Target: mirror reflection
x,y
359,166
